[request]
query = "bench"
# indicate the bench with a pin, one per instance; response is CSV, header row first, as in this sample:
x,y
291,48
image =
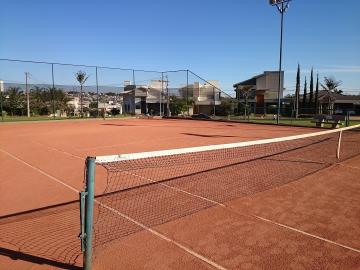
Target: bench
x,y
333,120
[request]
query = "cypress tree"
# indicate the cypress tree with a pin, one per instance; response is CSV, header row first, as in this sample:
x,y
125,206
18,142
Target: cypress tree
x,y
297,92
311,96
304,95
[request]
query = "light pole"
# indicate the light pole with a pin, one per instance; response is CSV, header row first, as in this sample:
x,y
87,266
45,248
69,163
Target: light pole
x,y
282,6
27,94
1,99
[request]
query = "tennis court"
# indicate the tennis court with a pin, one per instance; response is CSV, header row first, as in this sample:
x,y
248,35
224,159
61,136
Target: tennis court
x,y
289,204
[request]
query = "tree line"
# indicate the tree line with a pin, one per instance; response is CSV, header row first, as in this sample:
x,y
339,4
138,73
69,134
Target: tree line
x,y
43,101
308,103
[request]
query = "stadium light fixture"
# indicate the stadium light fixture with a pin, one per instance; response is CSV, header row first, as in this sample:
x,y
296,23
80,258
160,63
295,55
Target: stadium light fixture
x,y
282,6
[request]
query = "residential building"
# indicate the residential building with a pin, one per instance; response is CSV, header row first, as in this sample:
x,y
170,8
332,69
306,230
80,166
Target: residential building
x,y
202,98
260,92
334,103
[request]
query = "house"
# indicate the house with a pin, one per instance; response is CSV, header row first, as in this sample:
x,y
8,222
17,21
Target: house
x,y
145,99
157,98
203,97
260,92
334,103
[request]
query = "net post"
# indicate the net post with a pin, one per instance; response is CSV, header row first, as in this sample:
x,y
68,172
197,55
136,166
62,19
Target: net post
x,y
89,210
338,146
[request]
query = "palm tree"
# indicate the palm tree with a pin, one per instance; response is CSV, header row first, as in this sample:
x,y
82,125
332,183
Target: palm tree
x,y
331,85
81,78
37,99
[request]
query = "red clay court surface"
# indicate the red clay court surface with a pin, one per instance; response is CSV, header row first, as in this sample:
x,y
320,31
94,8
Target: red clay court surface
x,y
312,223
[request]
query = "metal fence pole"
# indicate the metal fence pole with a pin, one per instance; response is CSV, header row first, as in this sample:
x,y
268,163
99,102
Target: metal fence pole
x,y
1,104
214,101
162,91
187,91
97,92
53,89
89,210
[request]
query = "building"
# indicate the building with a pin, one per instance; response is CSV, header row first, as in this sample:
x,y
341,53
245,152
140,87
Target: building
x,y
334,103
157,98
202,98
260,92
143,99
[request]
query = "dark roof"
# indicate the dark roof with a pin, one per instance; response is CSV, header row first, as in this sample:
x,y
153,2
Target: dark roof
x,y
252,81
324,93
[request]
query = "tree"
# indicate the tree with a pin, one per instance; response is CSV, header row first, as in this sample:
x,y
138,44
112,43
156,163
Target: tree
x,y
331,85
38,100
297,92
311,93
177,105
60,98
244,92
304,95
14,100
317,94
81,78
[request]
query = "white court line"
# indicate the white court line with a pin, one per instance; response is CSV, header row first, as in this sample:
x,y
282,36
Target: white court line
x,y
197,255
305,233
40,171
258,217
189,150
193,253
61,151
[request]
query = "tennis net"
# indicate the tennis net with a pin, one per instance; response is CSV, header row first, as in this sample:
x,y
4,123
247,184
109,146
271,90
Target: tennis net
x,y
152,188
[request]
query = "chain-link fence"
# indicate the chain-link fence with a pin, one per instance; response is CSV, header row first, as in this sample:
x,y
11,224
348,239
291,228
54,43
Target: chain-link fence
x,y
56,90
45,90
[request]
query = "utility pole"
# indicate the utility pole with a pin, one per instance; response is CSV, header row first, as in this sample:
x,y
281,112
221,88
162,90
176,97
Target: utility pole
x,y
1,99
214,101
162,91
27,94
167,96
282,6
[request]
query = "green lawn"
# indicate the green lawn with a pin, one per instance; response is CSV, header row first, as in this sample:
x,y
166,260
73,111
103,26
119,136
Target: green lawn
x,y
304,122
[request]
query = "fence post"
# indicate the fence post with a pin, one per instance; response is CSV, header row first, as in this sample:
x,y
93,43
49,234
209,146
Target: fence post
x,y
89,210
97,92
1,101
187,92
53,89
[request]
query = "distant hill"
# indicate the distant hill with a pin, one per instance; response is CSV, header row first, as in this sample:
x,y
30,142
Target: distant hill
x,y
68,88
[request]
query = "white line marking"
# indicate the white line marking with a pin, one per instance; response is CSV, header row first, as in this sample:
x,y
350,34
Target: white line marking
x,y
179,151
193,253
305,233
40,171
197,255
60,151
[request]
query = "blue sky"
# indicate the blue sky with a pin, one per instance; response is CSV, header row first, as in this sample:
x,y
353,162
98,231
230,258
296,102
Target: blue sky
x,y
229,40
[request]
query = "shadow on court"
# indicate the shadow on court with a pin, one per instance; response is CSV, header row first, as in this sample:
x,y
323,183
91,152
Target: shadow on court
x,y
46,235
209,136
